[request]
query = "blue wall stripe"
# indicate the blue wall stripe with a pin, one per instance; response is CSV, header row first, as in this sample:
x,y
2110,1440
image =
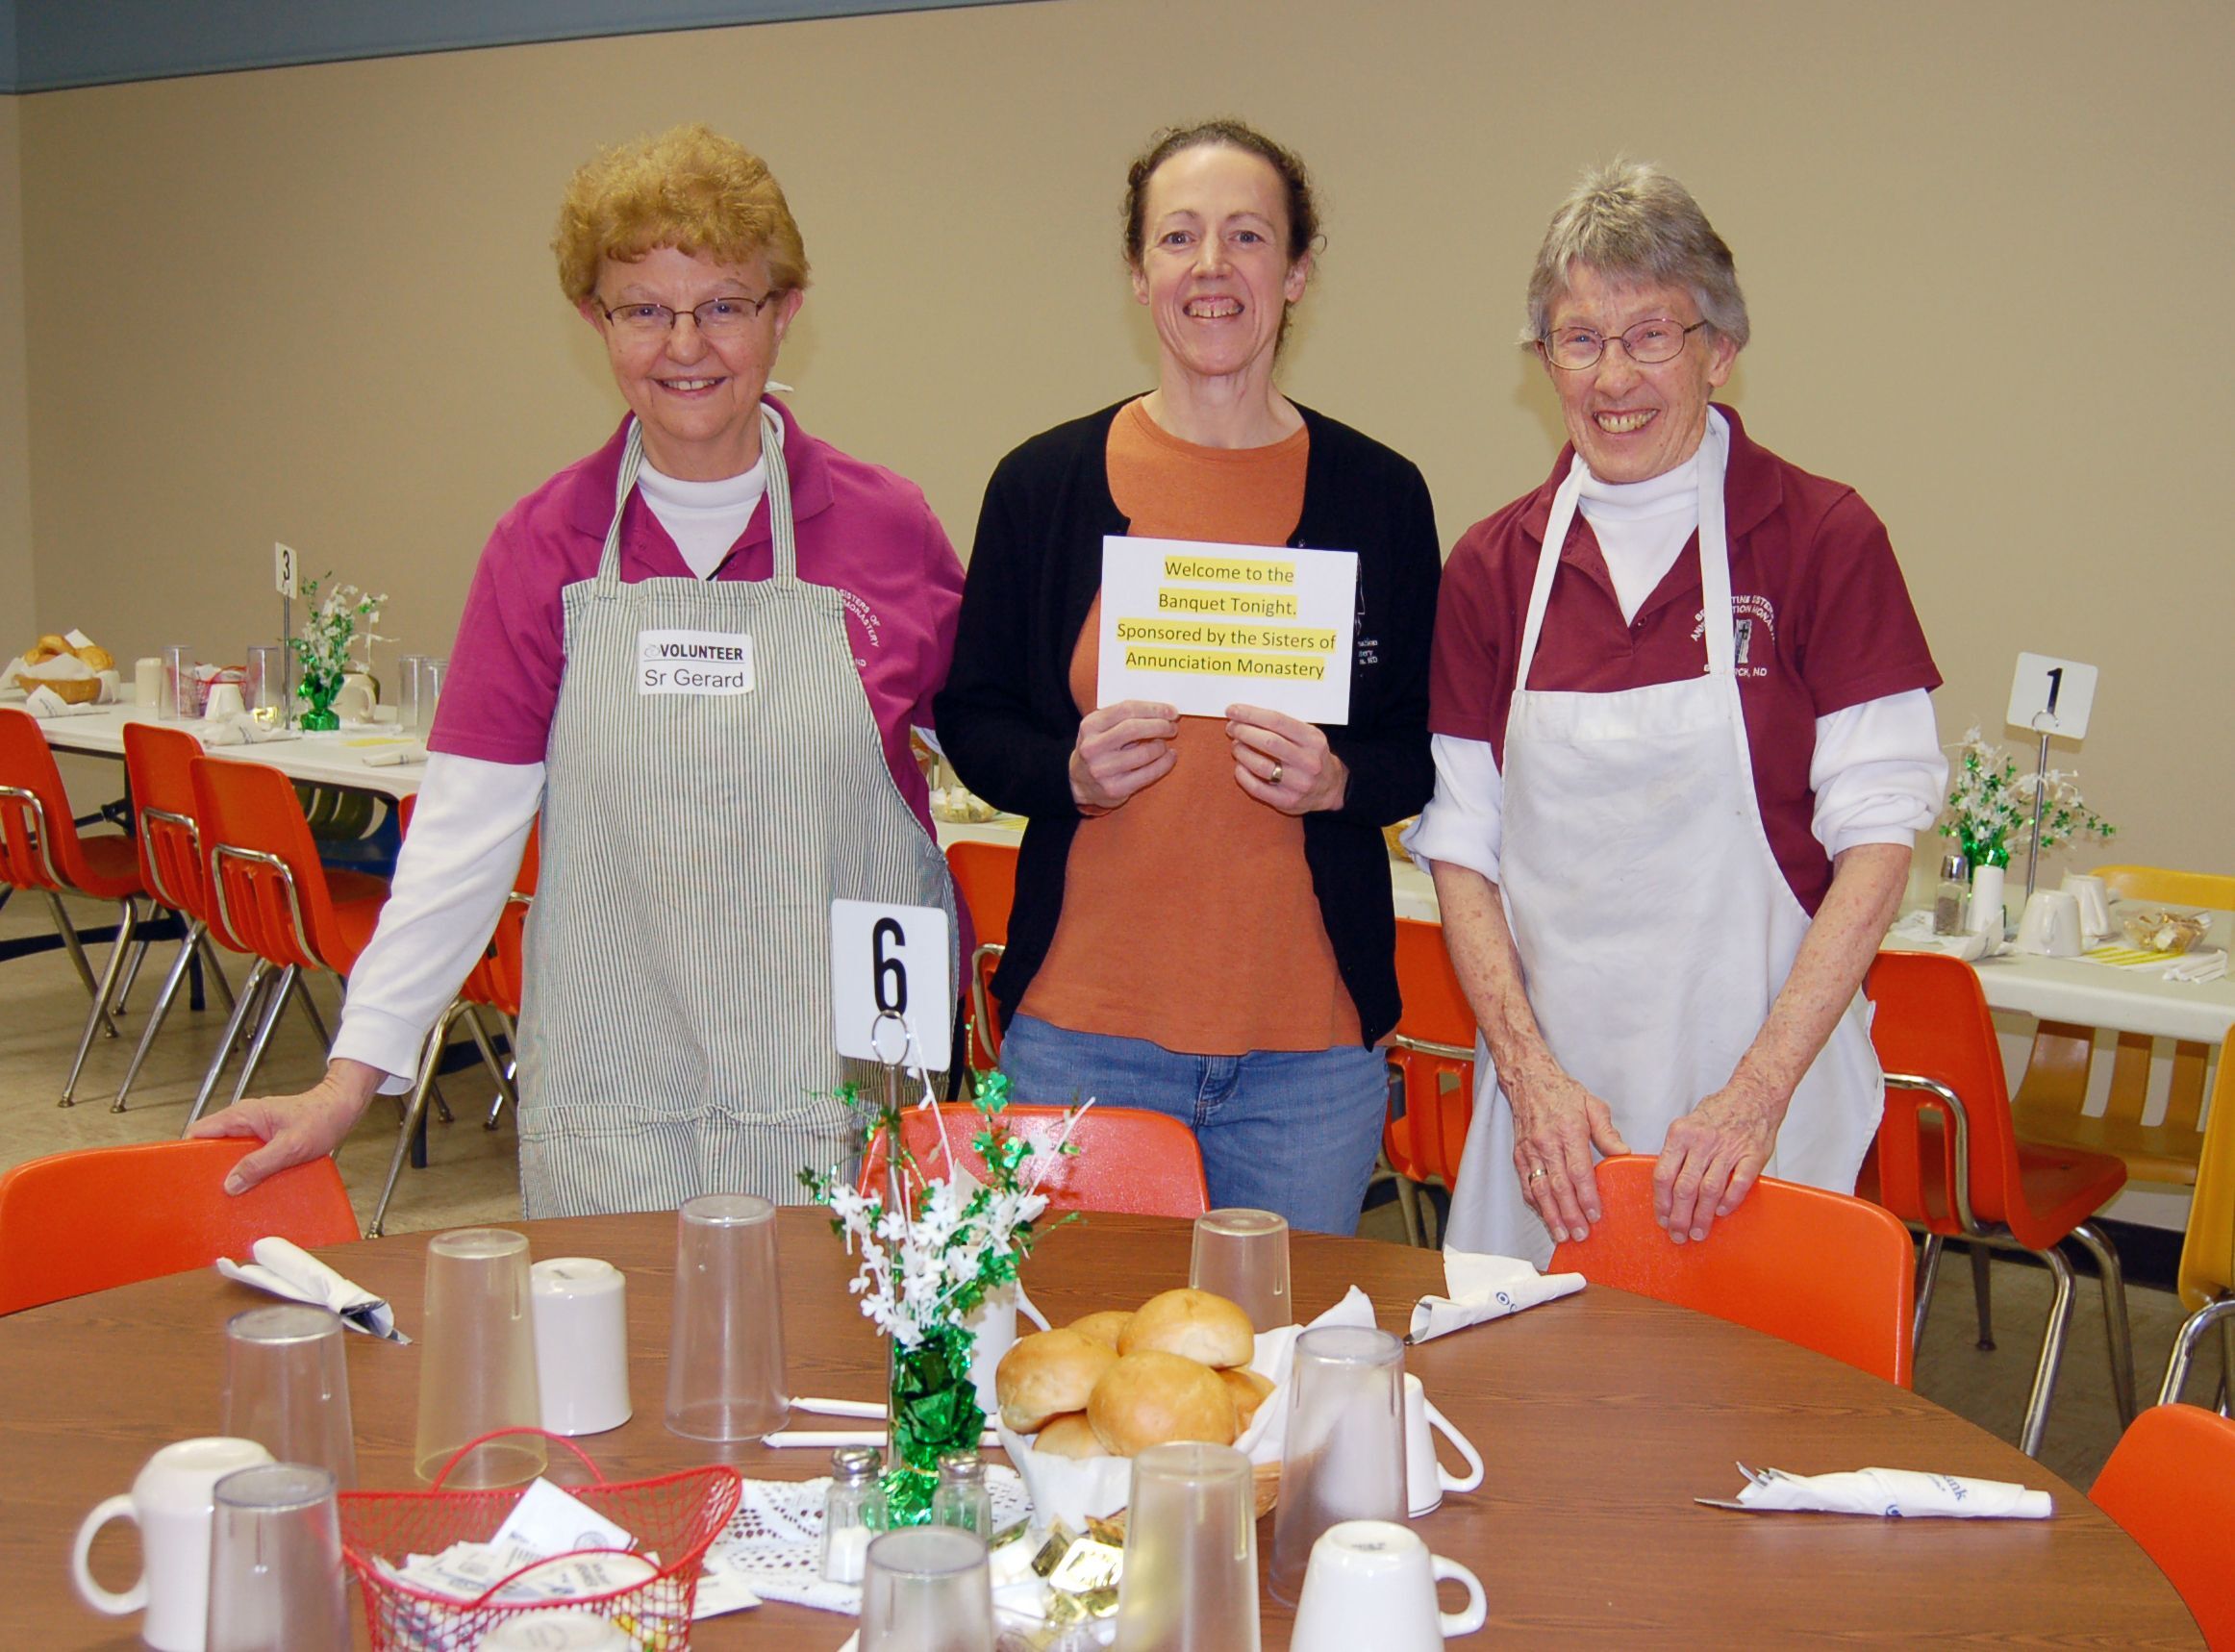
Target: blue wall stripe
x,y
47,45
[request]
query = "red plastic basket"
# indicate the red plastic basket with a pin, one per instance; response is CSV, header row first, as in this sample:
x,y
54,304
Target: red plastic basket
x,y
675,1518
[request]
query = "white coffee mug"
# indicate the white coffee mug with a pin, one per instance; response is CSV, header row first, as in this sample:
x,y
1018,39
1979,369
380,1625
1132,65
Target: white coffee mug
x,y
2050,924
356,700
1427,1480
582,1344
224,701
2095,898
1373,1583
995,1323
170,1502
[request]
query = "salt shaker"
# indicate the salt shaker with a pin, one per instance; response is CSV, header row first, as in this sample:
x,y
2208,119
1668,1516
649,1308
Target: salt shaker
x,y
961,1498
1950,898
852,1513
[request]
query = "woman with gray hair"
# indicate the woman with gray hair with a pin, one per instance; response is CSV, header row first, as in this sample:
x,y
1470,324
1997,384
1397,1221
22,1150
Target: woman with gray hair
x,y
1661,880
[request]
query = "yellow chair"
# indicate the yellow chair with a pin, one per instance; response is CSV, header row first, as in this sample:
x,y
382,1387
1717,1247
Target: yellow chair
x,y
2049,1106
2206,1280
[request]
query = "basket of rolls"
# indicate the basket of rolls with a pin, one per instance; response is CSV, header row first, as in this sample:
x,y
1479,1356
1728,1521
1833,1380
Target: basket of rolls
x,y
69,668
1077,1402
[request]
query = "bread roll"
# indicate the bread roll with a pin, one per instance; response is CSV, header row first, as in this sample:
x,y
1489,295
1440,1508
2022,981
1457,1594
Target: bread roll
x,y
1248,1390
53,644
1202,1327
1104,1327
1070,1435
39,654
97,657
1152,1397
1047,1374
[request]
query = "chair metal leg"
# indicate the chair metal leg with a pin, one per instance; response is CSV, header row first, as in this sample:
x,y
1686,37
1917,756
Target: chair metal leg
x,y
77,951
2226,1363
430,1057
1408,1198
2118,1333
497,1067
2045,1373
118,950
158,1012
511,1070
1983,1293
132,972
2184,1344
1927,1276
284,986
215,964
317,1021
251,993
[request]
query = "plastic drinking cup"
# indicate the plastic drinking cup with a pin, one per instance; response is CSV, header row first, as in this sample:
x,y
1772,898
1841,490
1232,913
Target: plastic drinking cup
x,y
265,684
1343,1458
725,1353
180,697
287,1386
276,1583
927,1590
1191,1552
477,1361
1243,1255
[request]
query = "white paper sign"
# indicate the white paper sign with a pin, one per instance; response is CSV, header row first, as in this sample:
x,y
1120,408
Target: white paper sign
x,y
282,569
694,663
2053,696
889,973
1207,626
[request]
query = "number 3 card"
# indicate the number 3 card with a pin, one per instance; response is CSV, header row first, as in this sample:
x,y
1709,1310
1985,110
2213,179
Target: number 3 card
x,y
1207,626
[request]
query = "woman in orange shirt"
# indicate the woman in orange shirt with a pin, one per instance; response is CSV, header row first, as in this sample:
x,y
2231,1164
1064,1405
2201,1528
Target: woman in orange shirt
x,y
1203,923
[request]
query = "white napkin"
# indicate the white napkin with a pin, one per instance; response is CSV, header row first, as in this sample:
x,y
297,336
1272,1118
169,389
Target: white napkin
x,y
286,1269
1892,1493
395,756
1485,1287
240,729
1914,933
1077,1489
2207,965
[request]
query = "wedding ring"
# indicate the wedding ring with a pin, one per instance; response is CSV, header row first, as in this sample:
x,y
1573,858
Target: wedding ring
x,y
1538,1171
1274,779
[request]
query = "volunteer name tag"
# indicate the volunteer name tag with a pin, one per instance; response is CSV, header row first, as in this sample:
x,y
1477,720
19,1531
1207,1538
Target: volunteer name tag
x,y
694,663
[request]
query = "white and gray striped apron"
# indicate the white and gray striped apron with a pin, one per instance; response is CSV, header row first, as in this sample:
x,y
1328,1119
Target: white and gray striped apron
x,y
675,1034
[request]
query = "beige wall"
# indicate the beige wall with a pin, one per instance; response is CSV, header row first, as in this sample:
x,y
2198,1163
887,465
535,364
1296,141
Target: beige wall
x,y
17,607
1987,246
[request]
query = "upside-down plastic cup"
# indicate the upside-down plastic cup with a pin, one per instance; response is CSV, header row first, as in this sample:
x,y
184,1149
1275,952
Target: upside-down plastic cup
x,y
725,1349
477,1361
1191,1552
1243,1255
927,1589
287,1386
1343,1458
276,1583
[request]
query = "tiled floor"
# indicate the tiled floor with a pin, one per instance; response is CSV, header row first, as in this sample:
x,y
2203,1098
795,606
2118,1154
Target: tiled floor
x,y
472,1179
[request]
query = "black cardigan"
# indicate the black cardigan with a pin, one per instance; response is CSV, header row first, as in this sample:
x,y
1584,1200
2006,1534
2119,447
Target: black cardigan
x,y
1008,724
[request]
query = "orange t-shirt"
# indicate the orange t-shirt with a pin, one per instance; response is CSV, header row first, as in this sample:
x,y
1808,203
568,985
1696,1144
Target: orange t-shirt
x,y
1189,918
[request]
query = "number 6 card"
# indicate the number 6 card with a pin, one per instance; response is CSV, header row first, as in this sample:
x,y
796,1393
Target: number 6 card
x,y
888,963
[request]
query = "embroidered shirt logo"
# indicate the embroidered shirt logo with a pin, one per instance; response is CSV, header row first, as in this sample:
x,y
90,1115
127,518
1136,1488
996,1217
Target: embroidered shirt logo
x,y
1753,620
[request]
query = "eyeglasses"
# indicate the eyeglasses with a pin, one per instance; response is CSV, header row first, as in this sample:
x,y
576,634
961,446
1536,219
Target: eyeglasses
x,y
1648,343
717,317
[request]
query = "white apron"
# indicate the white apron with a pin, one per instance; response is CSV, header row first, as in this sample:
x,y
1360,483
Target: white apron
x,y
1653,923
675,1033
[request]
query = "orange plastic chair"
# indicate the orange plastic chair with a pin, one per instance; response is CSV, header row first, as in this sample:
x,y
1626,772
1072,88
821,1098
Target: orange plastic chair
x,y
1129,1159
1819,1268
1949,1162
985,877
274,899
493,984
2171,1483
1433,1050
76,1222
2050,1103
157,768
40,849
2206,1275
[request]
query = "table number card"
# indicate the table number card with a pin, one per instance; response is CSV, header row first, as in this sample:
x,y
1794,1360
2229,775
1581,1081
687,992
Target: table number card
x,y
2053,696
890,961
282,569
1206,626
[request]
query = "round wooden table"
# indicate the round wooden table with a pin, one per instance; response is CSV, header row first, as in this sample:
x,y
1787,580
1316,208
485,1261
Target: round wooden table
x,y
1599,1416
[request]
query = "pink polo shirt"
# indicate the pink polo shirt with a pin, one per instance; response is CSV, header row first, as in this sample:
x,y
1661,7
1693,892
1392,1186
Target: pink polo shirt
x,y
1824,619
858,527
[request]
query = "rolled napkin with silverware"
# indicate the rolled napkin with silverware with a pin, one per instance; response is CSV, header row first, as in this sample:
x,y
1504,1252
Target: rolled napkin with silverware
x,y
1887,1493
1484,1288
284,1268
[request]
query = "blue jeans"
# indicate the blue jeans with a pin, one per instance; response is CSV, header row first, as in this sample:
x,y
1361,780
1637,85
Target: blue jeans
x,y
1292,1131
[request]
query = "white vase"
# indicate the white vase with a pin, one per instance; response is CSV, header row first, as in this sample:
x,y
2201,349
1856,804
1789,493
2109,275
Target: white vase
x,y
1986,914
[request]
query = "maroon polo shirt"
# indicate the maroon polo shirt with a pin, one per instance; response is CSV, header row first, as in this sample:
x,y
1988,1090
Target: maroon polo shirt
x,y
1824,622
